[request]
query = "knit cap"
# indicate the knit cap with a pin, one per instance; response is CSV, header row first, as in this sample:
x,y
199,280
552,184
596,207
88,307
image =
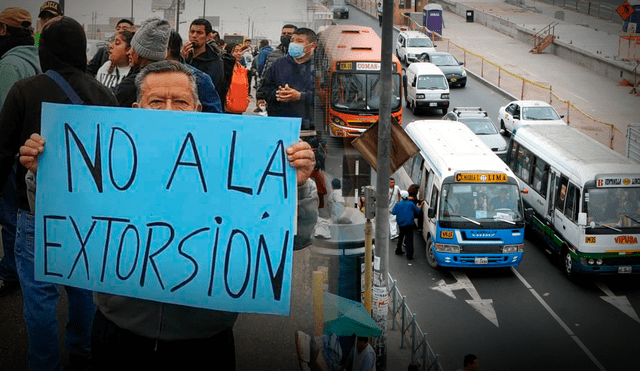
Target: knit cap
x,y
152,39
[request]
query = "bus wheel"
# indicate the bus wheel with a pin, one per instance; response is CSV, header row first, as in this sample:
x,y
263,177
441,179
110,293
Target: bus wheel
x,y
567,263
431,258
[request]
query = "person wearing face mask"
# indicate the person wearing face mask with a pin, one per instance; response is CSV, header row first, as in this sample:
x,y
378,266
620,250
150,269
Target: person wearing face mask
x,y
288,85
269,56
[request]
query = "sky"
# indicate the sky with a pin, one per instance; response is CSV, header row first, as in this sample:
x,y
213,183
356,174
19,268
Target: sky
x,y
268,16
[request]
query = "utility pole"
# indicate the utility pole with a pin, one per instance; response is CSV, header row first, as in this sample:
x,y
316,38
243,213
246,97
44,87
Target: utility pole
x,y
382,175
178,15
61,3
131,10
204,8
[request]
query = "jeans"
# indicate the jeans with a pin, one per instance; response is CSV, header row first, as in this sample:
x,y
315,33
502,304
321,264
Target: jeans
x,y
8,214
40,301
406,234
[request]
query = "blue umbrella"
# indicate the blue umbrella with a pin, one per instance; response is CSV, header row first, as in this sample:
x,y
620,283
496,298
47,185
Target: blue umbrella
x,y
346,317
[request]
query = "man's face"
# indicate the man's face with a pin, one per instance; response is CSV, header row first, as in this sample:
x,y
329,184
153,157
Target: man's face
x,y
134,61
122,26
361,345
197,35
474,365
392,183
168,91
287,32
302,39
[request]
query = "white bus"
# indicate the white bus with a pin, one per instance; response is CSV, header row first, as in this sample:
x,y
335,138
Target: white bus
x,y
585,197
474,214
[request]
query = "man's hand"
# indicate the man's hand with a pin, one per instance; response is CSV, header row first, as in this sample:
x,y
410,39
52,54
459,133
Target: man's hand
x,y
29,153
301,157
187,50
288,94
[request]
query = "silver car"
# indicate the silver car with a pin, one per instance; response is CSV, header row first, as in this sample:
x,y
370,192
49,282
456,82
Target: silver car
x,y
479,122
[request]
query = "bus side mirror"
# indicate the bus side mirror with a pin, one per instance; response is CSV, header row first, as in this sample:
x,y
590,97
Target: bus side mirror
x,y
431,213
528,214
582,218
516,117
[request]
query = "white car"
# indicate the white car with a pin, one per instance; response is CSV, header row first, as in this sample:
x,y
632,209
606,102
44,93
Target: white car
x,y
411,44
526,112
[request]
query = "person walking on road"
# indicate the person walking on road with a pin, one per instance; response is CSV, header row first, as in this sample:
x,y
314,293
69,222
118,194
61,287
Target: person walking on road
x,y
406,211
470,363
379,11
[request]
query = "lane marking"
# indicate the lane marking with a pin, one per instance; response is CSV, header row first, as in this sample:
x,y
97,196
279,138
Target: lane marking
x,y
482,306
560,322
620,302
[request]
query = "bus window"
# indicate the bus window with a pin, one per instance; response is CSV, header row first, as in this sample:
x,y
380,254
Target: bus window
x,y
524,164
540,176
561,193
347,91
428,183
434,198
416,164
375,91
513,157
573,201
610,205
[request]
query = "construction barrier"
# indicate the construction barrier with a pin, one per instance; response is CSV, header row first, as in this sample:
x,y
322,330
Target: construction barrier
x,y
629,48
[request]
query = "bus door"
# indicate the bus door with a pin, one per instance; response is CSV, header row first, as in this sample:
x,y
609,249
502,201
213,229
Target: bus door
x,y
551,193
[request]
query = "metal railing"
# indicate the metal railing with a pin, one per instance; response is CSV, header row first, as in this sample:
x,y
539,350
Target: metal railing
x,y
592,8
411,333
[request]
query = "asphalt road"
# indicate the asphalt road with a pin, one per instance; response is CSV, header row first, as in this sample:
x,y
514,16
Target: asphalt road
x,y
526,318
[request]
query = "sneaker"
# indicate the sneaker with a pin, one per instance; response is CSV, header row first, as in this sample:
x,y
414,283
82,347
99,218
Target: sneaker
x,y
399,252
7,287
409,257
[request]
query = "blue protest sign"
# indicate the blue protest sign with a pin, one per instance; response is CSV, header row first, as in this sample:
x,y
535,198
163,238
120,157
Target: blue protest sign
x,y
179,207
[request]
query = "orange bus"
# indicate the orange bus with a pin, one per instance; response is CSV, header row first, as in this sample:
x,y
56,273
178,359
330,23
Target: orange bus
x,y
350,85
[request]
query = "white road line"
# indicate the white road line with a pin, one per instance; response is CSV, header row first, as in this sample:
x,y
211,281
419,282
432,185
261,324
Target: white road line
x,y
620,302
557,318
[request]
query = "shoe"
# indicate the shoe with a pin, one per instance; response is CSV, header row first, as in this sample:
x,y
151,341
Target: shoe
x,y
399,252
409,257
7,287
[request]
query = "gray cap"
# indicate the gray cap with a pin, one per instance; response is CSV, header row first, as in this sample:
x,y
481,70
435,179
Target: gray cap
x,y
152,39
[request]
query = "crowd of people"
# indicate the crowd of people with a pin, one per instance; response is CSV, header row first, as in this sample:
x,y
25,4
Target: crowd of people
x,y
148,67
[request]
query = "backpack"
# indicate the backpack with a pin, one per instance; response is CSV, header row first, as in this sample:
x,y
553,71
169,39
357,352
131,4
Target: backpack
x,y
237,99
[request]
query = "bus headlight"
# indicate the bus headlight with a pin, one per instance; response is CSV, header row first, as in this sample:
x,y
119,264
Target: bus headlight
x,y
511,249
419,96
599,262
591,261
453,249
338,121
444,96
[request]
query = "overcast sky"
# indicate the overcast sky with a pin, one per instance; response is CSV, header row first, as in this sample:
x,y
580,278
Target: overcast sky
x,y
267,15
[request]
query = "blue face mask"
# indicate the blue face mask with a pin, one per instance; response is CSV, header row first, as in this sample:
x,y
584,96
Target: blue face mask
x,y
296,50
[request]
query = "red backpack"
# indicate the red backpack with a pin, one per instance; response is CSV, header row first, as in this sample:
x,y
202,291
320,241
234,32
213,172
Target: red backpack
x,y
238,94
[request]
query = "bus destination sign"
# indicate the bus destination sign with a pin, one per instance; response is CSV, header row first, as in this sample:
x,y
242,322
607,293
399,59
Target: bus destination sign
x,y
618,181
481,178
368,66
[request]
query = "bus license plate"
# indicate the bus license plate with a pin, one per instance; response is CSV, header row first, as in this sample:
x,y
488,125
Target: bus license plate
x,y
433,104
623,269
481,260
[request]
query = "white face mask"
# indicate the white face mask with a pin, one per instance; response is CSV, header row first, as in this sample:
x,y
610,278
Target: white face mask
x,y
296,50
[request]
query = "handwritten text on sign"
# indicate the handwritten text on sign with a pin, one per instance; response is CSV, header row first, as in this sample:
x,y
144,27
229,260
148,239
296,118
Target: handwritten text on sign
x,y
179,207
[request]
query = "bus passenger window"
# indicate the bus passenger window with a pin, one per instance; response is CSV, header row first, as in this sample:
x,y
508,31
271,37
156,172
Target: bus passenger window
x,y
561,193
540,176
524,164
434,198
513,157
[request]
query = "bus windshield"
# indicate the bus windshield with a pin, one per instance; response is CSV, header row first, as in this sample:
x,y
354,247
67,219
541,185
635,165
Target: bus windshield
x,y
361,91
480,203
613,206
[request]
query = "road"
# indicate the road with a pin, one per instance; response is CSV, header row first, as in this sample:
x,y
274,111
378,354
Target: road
x,y
526,318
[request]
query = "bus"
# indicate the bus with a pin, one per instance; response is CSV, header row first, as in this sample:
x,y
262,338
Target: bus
x,y
474,211
349,87
585,198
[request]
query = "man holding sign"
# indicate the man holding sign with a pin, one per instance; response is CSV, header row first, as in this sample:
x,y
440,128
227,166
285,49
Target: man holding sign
x,y
132,333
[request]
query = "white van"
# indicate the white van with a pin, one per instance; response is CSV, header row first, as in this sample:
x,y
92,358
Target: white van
x,y
426,86
411,44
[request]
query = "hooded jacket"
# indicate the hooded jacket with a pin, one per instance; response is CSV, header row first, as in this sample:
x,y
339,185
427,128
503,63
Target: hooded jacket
x,y
63,49
16,64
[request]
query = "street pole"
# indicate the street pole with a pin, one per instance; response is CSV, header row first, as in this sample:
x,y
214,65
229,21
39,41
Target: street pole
x,y
178,15
204,8
131,10
382,177
61,3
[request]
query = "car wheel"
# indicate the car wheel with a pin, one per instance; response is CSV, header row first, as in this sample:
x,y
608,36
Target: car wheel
x,y
431,258
567,264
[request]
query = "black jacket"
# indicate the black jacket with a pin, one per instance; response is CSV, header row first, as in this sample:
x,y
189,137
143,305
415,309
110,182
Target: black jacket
x,y
210,62
21,113
126,91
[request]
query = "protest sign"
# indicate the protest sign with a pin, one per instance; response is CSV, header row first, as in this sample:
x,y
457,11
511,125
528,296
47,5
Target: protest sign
x,y
179,207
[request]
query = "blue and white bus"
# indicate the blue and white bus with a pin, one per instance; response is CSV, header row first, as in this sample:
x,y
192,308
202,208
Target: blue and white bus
x,y
474,213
